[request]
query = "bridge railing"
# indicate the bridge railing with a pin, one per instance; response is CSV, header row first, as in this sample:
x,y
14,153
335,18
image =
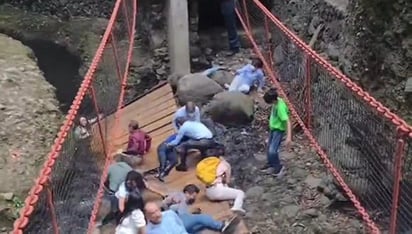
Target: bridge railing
x,y
63,197
365,147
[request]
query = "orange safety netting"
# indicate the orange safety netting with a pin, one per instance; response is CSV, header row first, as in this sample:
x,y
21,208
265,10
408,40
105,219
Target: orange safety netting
x,y
363,144
61,201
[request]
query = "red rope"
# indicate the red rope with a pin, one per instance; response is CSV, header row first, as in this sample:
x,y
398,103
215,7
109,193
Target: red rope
x,y
322,154
117,116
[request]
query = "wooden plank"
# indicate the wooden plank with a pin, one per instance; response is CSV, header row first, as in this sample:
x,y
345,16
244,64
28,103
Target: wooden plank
x,y
155,113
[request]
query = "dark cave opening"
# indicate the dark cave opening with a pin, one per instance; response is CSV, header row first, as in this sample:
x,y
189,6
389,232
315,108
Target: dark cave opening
x,y
60,67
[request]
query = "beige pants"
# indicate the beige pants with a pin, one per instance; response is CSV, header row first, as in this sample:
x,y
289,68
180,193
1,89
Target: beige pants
x,y
221,192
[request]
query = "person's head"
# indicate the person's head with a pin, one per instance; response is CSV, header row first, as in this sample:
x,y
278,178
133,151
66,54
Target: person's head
x,y
191,191
83,121
133,125
180,121
257,63
153,213
134,201
127,159
271,96
190,109
134,180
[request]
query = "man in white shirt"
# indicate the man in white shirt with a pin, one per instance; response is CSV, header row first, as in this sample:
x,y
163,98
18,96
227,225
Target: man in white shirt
x,y
189,111
199,137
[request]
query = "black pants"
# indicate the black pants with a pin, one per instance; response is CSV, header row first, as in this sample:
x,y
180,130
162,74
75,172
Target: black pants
x,y
207,147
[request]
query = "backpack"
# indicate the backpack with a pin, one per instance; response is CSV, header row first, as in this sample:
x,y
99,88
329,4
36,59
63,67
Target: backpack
x,y
206,170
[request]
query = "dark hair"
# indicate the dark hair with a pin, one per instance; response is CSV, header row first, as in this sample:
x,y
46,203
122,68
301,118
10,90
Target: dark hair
x,y
134,201
191,188
134,180
257,62
270,96
134,124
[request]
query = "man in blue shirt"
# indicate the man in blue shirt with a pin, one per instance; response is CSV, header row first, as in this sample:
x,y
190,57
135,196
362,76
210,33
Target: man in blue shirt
x,y
190,111
199,137
247,76
196,222
166,222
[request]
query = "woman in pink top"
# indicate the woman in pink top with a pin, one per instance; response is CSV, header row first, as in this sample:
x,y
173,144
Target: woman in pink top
x,y
220,191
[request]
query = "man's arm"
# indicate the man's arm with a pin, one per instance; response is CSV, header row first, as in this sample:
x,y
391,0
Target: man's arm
x,y
243,69
197,114
179,223
284,116
180,134
261,80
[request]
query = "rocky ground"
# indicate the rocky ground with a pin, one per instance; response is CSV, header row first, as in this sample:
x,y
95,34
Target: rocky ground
x,y
290,204
29,118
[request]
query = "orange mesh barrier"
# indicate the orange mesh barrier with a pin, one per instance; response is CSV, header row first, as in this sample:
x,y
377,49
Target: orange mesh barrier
x,y
61,201
362,143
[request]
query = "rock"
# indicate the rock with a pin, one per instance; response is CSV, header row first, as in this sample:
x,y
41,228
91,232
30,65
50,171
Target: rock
x,y
7,196
312,182
222,77
174,79
312,213
231,108
197,88
290,211
31,110
278,55
255,192
333,52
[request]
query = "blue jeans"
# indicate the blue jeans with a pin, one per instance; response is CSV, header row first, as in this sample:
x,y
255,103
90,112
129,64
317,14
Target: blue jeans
x,y
195,223
166,155
275,138
227,8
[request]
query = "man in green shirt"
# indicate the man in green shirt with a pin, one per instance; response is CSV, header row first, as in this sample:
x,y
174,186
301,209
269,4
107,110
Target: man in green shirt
x,y
279,124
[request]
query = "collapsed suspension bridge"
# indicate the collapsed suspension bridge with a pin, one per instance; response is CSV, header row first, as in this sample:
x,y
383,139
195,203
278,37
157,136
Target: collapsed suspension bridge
x,y
344,124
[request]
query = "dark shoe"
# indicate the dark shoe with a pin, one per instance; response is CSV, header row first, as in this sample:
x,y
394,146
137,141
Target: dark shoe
x,y
230,225
181,167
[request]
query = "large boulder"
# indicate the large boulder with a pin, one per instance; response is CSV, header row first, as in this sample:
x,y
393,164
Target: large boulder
x,y
197,88
222,77
231,108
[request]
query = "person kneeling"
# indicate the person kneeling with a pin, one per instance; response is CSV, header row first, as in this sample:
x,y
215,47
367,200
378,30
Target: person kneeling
x,y
215,173
199,137
194,223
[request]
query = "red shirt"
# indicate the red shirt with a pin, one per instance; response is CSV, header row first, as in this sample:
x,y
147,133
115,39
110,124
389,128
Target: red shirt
x,y
139,143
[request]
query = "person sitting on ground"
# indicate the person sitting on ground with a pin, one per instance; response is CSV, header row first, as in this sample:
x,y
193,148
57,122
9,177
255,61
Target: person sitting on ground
x,y
138,145
247,76
215,173
279,123
132,220
194,222
167,157
134,182
199,137
82,129
166,222
189,111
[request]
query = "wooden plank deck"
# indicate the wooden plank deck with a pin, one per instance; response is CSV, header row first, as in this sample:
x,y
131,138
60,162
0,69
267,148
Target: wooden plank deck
x,y
154,113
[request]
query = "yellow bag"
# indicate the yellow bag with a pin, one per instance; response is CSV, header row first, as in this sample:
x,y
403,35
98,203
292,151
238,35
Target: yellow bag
x,y
206,170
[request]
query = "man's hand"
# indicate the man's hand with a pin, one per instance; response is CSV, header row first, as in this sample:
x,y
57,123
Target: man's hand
x,y
288,143
197,210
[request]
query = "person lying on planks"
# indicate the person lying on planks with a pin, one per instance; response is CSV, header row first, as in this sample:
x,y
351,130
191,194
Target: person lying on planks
x,y
132,220
215,173
195,222
189,111
199,137
247,76
134,182
166,222
167,157
138,145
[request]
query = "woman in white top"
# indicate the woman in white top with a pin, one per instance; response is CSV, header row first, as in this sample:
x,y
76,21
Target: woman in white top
x,y
132,220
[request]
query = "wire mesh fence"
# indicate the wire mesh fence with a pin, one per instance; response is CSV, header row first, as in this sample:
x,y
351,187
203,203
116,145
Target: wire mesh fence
x,y
362,143
63,198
